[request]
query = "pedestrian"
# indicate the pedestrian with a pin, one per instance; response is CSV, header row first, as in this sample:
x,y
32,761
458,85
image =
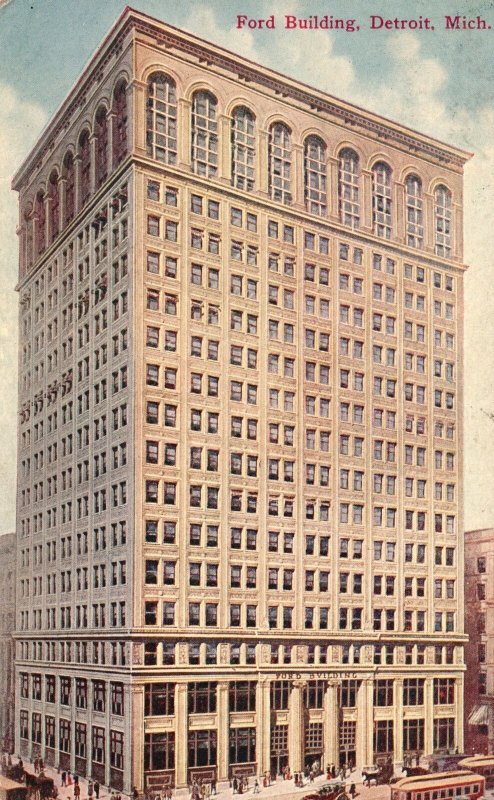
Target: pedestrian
x,y
90,789
135,793
234,785
77,791
96,789
353,790
64,778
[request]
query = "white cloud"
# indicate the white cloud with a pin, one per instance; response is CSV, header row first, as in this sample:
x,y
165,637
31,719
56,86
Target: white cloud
x,y
20,123
202,21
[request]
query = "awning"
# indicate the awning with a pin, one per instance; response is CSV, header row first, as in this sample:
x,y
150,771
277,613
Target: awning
x,y
479,715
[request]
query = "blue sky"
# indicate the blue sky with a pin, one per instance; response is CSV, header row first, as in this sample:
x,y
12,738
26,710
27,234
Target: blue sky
x,y
37,39
439,82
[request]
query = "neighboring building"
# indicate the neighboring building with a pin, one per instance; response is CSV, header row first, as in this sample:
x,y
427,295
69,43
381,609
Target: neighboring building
x,y
7,628
479,651
240,398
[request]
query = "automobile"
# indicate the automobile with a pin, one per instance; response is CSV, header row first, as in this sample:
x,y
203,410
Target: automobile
x,y
333,790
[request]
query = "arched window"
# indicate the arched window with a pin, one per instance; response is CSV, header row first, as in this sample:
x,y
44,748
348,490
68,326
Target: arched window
x,y
243,149
69,175
315,175
101,130
280,163
40,223
414,211
442,216
204,135
348,188
119,109
161,120
54,206
381,200
85,167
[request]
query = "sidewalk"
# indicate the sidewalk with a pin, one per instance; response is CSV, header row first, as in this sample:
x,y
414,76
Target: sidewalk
x,y
67,792
280,788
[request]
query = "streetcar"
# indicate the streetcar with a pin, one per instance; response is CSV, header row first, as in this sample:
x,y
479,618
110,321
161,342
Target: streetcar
x,y
440,786
482,765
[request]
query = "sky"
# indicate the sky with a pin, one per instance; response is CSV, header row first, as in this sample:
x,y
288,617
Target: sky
x,y
437,81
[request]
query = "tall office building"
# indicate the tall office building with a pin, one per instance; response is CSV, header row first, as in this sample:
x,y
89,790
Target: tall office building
x,y
479,651
240,399
7,627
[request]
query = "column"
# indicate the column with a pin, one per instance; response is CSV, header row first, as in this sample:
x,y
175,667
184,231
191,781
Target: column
x,y
134,742
297,176
224,151
457,232
181,735
107,733
77,183
365,723
398,724
262,162
136,116
428,221
331,725
428,716
366,200
459,712
92,173
184,129
296,727
62,200
129,733
399,211
333,194
222,711
73,718
263,726
110,122
48,226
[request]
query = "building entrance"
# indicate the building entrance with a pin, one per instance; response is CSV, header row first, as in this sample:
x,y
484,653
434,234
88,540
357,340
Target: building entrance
x,y
278,763
313,762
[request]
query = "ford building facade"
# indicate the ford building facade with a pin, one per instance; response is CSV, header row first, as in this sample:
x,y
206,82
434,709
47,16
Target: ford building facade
x,y
239,527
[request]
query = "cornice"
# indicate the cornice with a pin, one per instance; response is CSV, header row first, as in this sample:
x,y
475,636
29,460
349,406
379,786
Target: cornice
x,y
286,87
206,53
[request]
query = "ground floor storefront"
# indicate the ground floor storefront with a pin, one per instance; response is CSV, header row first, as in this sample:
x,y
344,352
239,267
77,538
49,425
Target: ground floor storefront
x,y
161,731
